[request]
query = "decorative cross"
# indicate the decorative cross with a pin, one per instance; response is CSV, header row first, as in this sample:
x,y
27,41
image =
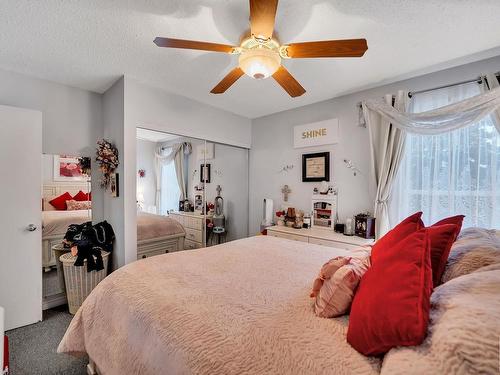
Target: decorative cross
x,y
219,189
285,191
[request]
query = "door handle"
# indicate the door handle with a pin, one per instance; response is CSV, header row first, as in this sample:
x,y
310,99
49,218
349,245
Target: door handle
x,y
31,228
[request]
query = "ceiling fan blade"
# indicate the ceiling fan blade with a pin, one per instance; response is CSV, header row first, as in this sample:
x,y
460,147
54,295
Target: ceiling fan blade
x,y
227,81
328,48
289,84
192,44
262,15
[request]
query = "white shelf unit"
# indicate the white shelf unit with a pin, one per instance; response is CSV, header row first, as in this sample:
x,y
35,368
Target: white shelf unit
x,y
324,209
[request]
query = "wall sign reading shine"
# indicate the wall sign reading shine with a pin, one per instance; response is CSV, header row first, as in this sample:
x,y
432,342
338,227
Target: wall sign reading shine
x,y
316,134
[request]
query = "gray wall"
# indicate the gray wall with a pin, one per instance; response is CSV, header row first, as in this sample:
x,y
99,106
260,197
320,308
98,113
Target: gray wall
x,y
146,160
113,120
229,169
272,145
71,118
156,109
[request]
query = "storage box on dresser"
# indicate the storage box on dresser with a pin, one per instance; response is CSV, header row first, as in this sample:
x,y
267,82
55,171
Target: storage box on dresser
x,y
319,236
194,225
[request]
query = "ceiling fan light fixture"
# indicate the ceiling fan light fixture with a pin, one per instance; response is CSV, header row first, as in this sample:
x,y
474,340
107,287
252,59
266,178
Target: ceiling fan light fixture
x,y
259,63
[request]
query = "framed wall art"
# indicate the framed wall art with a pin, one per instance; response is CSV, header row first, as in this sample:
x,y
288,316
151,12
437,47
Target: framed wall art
x,y
316,167
68,168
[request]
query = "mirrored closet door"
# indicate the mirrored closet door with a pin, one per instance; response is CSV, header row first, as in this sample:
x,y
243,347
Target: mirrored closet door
x,y
202,187
66,199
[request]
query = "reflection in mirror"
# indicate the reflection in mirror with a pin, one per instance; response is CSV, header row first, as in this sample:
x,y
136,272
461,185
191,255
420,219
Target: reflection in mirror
x,y
66,199
201,185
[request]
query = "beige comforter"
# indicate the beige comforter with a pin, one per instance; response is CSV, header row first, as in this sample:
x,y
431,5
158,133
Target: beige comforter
x,y
237,308
55,223
150,226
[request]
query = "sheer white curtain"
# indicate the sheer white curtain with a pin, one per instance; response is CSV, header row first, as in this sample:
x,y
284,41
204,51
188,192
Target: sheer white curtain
x,y
170,178
455,172
386,147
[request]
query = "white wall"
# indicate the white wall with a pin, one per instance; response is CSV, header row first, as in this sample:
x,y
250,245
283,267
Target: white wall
x,y
71,118
146,160
272,145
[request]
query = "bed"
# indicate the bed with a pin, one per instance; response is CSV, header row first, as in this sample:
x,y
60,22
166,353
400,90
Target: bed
x,y
202,311
155,235
243,308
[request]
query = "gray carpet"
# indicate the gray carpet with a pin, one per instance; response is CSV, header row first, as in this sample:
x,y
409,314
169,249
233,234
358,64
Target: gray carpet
x,y
33,348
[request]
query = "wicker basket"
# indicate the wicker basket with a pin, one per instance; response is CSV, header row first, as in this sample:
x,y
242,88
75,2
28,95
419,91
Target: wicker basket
x,y
79,282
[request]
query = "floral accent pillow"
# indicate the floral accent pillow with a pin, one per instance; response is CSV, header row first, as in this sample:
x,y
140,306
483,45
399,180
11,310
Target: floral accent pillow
x,y
78,205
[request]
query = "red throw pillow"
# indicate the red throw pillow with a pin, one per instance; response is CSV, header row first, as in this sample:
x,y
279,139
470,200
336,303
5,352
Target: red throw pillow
x,y
81,196
60,202
406,227
457,220
391,307
442,238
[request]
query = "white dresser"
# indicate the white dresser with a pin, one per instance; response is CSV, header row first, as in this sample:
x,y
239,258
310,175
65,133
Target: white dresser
x,y
319,236
194,225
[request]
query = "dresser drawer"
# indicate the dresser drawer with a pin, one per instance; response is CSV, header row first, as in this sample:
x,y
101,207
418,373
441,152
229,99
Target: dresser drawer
x,y
288,236
329,243
190,245
193,222
194,235
178,218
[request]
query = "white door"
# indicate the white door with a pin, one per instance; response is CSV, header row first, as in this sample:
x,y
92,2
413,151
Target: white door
x,y
20,216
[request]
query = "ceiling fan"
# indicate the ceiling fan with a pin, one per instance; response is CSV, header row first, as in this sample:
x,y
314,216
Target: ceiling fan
x,y
260,53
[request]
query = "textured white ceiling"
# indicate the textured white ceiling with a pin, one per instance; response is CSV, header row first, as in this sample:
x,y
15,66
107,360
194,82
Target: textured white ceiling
x,y
90,43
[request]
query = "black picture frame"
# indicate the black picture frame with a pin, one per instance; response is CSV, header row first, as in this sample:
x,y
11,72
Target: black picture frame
x,y
203,178
325,176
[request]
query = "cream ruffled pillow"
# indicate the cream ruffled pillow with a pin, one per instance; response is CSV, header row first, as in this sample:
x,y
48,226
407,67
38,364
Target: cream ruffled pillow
x,y
336,284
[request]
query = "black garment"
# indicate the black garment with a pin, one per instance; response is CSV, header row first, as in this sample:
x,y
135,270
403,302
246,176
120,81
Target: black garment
x,y
74,232
90,240
86,250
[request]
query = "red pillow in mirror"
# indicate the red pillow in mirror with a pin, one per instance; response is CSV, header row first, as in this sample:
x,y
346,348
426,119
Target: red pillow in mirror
x,y
81,196
391,307
406,227
60,202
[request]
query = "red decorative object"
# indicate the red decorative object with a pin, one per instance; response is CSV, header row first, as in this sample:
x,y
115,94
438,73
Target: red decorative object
x,y
5,369
442,238
81,196
407,226
391,307
457,220
60,202
141,173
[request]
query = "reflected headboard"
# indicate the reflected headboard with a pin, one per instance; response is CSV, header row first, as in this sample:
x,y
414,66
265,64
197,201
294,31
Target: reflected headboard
x,y
56,189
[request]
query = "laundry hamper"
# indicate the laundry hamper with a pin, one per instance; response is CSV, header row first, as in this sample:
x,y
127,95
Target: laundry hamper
x,y
79,282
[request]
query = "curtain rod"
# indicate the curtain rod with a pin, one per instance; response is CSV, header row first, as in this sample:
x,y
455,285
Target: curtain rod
x,y
478,80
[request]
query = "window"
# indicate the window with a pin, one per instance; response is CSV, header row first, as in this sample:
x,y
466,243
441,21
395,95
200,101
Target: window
x,y
452,173
170,191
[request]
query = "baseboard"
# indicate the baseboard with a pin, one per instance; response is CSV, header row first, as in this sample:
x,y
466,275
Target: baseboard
x,y
54,301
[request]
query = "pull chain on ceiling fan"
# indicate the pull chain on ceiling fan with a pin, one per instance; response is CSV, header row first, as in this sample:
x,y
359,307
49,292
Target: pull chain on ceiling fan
x,y
260,54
